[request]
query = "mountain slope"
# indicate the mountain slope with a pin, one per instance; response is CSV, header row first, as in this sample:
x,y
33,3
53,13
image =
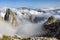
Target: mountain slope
x,y
53,27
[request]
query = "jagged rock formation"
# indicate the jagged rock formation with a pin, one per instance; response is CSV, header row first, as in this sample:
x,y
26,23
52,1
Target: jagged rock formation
x,y
28,16
9,16
50,20
53,27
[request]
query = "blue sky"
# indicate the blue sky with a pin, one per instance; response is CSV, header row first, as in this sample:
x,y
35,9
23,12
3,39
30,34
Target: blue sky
x,y
30,3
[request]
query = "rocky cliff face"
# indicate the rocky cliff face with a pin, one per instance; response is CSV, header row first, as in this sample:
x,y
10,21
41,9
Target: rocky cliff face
x,y
50,20
9,16
53,27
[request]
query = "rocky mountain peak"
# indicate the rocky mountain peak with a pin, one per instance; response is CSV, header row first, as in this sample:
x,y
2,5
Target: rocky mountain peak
x,y
9,17
50,20
53,27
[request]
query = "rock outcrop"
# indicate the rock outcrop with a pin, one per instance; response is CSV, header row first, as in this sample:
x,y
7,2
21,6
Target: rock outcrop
x,y
9,16
53,27
50,20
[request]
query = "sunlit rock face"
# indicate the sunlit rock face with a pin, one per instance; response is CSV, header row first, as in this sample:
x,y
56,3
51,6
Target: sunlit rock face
x,y
1,18
50,20
9,16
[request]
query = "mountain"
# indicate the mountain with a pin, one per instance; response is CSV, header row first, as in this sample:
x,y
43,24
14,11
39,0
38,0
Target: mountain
x,y
27,22
50,20
53,27
9,16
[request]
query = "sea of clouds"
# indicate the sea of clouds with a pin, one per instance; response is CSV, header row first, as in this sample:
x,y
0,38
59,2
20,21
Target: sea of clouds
x,y
27,28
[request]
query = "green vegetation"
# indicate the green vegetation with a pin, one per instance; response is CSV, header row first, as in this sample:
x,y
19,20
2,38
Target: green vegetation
x,y
5,37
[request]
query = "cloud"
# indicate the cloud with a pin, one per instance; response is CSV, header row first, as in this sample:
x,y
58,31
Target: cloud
x,y
27,28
